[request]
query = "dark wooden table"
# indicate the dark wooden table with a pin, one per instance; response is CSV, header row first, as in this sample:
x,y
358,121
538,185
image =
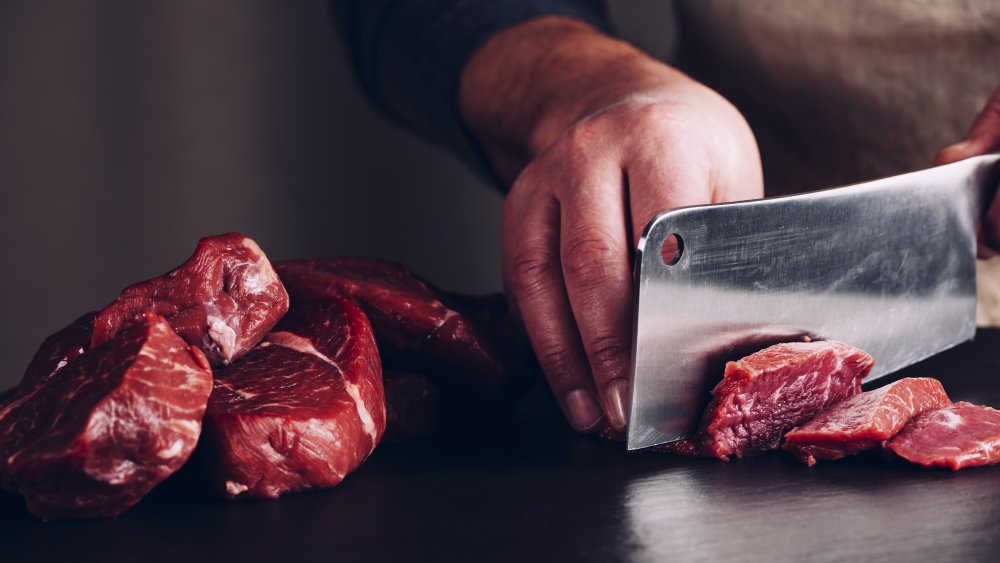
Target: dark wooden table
x,y
537,492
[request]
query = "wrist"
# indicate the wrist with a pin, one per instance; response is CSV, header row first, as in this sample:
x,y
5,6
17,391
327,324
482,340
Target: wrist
x,y
526,85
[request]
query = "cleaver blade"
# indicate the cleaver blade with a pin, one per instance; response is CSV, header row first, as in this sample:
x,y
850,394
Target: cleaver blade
x,y
888,266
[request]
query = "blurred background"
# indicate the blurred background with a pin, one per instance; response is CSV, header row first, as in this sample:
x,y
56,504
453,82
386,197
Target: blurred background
x,y
128,130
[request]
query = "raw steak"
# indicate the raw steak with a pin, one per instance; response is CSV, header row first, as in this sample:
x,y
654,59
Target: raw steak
x,y
865,421
224,299
469,345
302,409
94,435
956,436
766,394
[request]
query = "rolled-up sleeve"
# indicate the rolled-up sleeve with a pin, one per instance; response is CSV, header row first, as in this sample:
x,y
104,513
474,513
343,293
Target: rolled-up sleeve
x,y
409,55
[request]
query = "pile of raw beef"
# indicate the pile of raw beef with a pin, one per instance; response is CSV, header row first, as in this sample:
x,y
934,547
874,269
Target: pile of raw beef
x,y
287,376
277,397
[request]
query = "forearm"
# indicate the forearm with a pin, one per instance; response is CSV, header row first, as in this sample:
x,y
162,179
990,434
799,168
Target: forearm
x,y
529,83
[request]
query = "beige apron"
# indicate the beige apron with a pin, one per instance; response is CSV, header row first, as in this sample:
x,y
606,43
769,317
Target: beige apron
x,y
848,90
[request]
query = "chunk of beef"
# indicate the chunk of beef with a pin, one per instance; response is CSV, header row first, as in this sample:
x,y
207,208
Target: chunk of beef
x,y
91,436
60,349
302,409
766,394
864,422
224,299
469,345
955,436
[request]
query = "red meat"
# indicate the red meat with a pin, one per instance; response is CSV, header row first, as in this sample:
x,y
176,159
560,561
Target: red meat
x,y
224,299
766,394
470,346
956,436
302,409
864,422
94,435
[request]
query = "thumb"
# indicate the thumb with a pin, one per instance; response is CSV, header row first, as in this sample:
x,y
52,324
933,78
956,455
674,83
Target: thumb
x,y
982,137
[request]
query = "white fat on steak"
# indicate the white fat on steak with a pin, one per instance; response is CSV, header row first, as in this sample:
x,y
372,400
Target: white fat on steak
x,y
220,333
304,346
262,275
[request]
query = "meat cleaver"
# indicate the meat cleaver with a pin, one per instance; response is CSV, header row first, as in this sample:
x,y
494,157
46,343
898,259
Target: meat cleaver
x,y
888,266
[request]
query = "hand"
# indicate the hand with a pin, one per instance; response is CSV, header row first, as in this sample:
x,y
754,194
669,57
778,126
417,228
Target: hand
x,y
982,138
601,138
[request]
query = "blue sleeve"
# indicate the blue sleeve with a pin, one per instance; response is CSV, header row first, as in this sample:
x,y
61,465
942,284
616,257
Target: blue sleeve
x,y
409,55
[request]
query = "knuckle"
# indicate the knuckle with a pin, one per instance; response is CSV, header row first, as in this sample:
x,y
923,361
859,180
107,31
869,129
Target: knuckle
x,y
578,142
588,257
531,272
993,105
526,182
608,355
556,361
661,117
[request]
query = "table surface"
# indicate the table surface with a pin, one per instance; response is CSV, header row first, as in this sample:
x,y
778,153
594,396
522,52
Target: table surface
x,y
534,491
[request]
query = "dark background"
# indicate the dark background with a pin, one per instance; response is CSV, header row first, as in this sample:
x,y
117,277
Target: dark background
x,y
128,130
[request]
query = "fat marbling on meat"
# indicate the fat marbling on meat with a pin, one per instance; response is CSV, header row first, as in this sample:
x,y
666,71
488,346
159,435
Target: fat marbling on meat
x,y
302,409
766,394
223,299
94,432
469,346
956,436
864,422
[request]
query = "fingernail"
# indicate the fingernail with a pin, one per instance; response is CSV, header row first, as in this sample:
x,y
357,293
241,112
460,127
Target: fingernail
x,y
617,394
583,410
962,148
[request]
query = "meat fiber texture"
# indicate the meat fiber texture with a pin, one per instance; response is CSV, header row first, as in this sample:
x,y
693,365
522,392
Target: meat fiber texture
x,y
956,436
224,299
302,409
864,422
90,432
764,395
469,346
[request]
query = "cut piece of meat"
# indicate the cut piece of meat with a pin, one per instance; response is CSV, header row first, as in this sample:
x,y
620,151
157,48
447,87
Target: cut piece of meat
x,y
766,394
411,406
956,436
403,310
864,422
224,299
302,409
469,345
92,437
60,349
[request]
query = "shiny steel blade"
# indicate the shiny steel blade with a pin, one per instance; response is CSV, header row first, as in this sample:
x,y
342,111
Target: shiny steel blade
x,y
888,266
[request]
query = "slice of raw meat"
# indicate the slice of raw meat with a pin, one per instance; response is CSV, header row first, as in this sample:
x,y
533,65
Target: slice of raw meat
x,y
766,394
956,436
864,422
224,299
92,437
469,345
302,409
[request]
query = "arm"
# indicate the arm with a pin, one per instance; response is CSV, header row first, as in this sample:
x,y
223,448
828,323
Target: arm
x,y
408,56
596,138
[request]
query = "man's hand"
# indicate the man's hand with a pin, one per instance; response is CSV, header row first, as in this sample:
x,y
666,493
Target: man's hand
x,y
600,138
982,138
